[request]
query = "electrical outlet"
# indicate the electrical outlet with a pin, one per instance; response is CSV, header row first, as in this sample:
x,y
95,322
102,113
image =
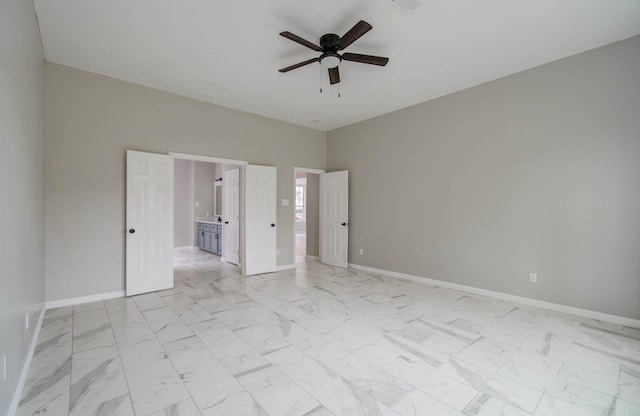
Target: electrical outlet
x,y
362,252
4,367
197,204
26,321
278,252
533,277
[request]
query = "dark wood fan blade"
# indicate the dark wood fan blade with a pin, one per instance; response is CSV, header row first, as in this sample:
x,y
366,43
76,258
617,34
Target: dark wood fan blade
x,y
365,59
334,75
301,41
353,34
298,65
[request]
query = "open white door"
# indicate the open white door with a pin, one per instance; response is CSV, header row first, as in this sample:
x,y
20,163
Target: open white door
x,y
334,218
260,219
231,214
149,239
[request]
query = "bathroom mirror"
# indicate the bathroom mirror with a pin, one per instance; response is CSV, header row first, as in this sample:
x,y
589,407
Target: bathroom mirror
x,y
218,199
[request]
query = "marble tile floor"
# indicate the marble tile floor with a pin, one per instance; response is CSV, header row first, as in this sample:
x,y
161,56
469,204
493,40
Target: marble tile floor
x,y
301,246
323,341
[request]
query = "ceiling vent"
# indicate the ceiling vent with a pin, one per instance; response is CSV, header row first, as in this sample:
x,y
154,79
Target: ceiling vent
x,y
405,5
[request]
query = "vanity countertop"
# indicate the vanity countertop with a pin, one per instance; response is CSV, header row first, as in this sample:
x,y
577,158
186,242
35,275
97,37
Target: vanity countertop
x,y
208,220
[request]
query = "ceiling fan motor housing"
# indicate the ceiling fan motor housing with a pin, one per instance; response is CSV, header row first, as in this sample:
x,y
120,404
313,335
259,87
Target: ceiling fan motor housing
x,y
330,58
328,42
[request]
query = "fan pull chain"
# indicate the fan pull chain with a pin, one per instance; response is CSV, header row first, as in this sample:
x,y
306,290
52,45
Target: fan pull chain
x,y
320,78
339,91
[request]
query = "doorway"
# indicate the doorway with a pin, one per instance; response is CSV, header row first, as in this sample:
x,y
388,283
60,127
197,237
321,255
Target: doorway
x,y
321,216
306,215
207,225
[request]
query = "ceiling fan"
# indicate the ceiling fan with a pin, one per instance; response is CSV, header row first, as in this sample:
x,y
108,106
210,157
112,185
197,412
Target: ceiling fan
x,y
330,44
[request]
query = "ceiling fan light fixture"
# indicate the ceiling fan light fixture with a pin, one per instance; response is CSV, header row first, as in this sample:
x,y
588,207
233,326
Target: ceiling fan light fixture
x,y
330,60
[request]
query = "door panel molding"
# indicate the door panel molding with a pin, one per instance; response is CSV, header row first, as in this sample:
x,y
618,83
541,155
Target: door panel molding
x,y
260,219
334,218
149,222
231,216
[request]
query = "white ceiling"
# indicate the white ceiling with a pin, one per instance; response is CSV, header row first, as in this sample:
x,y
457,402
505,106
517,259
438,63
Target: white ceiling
x,y
228,52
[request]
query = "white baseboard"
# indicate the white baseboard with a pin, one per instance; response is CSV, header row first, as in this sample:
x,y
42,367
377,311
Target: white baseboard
x,y
25,368
312,257
84,299
285,267
586,313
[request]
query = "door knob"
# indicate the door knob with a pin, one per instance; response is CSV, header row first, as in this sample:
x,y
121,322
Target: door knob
x,y
131,231
344,224
272,225
226,222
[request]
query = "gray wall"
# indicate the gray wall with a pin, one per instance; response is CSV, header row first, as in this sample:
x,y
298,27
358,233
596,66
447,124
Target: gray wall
x,y
183,220
91,121
535,172
21,186
204,179
313,214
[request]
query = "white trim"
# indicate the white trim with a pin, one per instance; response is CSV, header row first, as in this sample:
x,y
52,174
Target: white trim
x,y
585,313
209,159
84,299
308,170
13,407
285,267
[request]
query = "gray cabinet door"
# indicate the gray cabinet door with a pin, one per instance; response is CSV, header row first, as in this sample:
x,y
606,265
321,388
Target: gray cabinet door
x,y
207,240
200,236
219,236
214,239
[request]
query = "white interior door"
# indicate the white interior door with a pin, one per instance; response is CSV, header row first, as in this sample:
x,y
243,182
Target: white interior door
x,y
260,219
231,215
149,240
334,218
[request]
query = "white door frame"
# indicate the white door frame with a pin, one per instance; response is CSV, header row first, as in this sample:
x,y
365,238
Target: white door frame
x,y
297,170
241,165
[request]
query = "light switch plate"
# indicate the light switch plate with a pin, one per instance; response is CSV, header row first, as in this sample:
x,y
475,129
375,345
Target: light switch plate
x,y
285,202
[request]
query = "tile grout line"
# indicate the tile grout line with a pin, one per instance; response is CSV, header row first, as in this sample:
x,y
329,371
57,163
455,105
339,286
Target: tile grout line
x,y
259,367
255,402
164,350
115,340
